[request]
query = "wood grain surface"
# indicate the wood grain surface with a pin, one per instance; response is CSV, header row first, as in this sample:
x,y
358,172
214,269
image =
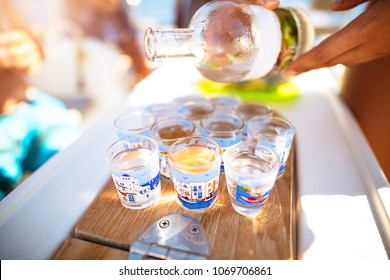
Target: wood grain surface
x,y
270,235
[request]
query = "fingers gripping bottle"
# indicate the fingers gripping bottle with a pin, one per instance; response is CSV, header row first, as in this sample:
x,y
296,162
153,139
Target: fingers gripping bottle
x,y
233,42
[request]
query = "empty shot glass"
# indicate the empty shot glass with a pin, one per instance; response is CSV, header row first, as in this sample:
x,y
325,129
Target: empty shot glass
x,y
166,132
135,122
248,110
250,171
225,129
134,163
274,132
195,165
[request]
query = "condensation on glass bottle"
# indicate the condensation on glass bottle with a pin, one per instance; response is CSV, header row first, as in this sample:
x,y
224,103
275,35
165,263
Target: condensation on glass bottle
x,y
233,42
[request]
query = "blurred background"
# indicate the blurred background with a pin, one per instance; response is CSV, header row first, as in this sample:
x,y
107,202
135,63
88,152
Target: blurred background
x,y
92,58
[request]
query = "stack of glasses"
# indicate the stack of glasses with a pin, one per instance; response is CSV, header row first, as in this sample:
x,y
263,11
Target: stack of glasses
x,y
193,140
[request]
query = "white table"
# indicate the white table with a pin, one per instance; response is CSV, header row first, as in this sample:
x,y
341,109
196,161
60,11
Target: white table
x,y
343,199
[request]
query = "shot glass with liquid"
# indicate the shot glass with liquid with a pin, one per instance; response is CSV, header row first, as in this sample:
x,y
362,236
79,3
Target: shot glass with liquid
x,y
161,110
195,109
249,110
134,164
224,103
274,132
195,164
250,171
136,121
166,132
225,129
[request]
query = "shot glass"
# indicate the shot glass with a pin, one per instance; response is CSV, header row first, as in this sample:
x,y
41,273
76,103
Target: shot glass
x,y
134,163
161,110
225,129
195,110
224,103
185,99
166,132
135,122
274,132
248,110
195,164
250,171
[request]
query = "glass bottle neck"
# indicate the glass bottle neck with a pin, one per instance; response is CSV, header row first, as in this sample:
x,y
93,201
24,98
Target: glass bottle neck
x,y
163,44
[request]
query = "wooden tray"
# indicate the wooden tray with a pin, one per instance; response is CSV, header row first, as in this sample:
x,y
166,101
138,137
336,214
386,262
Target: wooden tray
x,y
231,236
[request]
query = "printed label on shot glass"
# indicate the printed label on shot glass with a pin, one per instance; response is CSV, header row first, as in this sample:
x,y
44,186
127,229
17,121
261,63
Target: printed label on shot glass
x,y
134,194
197,195
281,147
245,131
225,143
277,145
251,196
222,164
165,170
283,155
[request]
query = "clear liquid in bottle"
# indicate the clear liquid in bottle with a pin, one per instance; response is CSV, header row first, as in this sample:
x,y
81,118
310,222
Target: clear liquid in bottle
x,y
235,42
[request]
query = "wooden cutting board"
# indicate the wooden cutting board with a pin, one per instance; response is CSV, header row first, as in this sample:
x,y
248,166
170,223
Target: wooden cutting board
x,y
231,236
